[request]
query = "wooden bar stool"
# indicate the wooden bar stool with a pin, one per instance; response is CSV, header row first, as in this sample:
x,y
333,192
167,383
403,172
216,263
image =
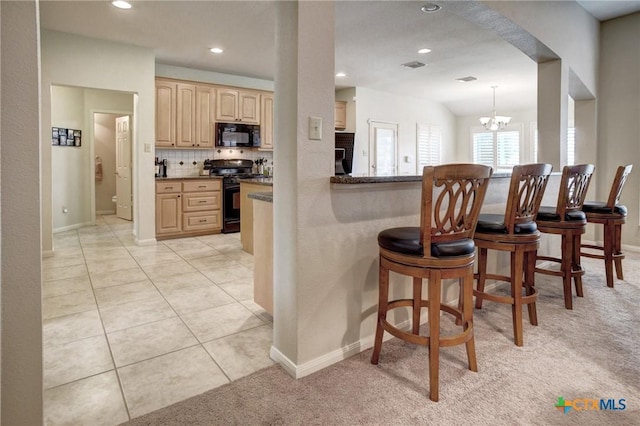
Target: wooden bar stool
x,y
441,248
612,215
568,221
515,232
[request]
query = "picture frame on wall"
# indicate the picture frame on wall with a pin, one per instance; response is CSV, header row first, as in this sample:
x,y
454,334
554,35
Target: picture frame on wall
x,y
66,137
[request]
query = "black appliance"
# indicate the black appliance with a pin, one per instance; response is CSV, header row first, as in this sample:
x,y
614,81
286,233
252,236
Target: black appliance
x,y
237,135
231,171
344,152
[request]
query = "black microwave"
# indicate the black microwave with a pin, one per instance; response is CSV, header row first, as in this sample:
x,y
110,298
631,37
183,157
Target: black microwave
x,y
237,135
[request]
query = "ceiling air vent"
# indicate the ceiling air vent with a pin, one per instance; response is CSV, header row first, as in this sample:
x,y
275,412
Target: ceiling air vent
x,y
466,79
413,64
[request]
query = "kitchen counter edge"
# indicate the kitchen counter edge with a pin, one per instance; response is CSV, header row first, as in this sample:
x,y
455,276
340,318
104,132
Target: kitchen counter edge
x,y
352,180
258,181
187,177
261,196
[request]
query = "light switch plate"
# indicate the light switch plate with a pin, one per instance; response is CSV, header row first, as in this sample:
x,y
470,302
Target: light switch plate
x,y
315,128
147,147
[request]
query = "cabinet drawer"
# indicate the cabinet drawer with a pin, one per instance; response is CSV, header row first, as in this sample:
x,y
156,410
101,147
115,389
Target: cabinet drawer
x,y
202,185
199,201
202,221
168,187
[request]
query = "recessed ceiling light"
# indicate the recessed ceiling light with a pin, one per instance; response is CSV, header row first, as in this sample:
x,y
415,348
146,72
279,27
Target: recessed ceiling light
x,y
216,50
121,4
341,74
430,8
425,50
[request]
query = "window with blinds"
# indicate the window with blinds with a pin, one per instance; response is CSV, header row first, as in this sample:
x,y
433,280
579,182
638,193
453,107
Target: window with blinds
x,y
429,140
499,149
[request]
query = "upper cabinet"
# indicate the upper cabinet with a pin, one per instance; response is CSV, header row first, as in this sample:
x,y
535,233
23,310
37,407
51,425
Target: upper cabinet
x,y
166,113
340,113
266,121
238,105
184,115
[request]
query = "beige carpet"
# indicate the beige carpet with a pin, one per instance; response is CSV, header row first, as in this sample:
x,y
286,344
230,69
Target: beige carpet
x,y
590,352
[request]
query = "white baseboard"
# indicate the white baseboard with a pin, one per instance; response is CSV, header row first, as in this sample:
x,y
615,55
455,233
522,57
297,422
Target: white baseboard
x,y
147,242
47,253
71,227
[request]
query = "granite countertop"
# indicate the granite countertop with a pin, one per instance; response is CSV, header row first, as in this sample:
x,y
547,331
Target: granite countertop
x,y
261,196
188,177
352,180
267,181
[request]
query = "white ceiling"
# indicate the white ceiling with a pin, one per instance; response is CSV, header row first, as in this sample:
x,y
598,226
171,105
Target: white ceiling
x,y
373,39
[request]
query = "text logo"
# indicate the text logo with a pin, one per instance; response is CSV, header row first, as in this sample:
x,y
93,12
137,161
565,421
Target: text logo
x,y
590,404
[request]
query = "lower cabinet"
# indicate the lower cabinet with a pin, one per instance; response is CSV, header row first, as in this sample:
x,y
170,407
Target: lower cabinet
x,y
188,207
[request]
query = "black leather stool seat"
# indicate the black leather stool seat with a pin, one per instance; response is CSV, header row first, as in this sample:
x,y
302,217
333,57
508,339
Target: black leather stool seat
x,y
549,214
406,240
494,224
601,208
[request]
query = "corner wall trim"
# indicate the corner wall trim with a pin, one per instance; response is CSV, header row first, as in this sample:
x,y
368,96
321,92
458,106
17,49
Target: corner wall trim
x,y
147,242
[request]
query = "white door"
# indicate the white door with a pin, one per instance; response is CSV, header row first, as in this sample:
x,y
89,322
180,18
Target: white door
x,y
384,146
123,168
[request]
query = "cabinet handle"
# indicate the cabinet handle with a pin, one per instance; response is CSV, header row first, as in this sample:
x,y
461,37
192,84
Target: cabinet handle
x,y
202,186
168,187
178,196
202,201
202,220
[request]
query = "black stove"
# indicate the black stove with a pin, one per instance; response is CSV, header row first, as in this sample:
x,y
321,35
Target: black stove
x,y
231,171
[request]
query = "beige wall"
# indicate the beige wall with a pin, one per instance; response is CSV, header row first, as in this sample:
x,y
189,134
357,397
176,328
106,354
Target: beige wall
x,y
20,267
619,115
69,60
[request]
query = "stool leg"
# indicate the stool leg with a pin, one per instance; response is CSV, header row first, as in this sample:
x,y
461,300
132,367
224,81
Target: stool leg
x,y
529,277
567,244
383,301
434,334
609,238
618,250
467,290
576,268
417,298
482,275
516,294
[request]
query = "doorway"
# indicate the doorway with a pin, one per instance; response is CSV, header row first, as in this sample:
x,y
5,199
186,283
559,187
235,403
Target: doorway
x,y
112,148
383,144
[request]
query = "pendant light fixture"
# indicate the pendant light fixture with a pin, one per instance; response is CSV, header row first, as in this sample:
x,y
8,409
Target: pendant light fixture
x,y
495,122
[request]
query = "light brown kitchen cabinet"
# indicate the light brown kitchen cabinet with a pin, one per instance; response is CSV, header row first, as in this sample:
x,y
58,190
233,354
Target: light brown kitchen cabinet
x,y
165,113
340,115
234,105
246,212
168,208
188,207
266,122
184,115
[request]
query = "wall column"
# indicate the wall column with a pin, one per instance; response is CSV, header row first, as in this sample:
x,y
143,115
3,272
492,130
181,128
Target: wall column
x,y
304,87
553,92
20,244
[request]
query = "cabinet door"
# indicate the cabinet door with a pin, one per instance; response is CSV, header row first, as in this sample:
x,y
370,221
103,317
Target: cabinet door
x,y
165,113
168,214
205,106
266,122
226,105
340,115
203,221
249,107
186,115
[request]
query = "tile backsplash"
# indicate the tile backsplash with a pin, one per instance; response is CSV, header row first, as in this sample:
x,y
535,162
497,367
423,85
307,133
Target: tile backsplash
x,y
190,156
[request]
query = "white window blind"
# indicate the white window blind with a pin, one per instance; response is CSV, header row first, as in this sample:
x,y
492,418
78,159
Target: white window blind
x,y
429,140
500,149
571,146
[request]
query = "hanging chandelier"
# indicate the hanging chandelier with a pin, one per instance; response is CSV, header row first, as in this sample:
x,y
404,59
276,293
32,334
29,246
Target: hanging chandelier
x,y
495,122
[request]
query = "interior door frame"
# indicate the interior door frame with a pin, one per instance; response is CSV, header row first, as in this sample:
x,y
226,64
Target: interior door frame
x,y
92,153
372,152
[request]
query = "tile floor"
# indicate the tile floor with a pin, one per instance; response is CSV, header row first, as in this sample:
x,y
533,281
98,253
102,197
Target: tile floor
x,y
129,329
